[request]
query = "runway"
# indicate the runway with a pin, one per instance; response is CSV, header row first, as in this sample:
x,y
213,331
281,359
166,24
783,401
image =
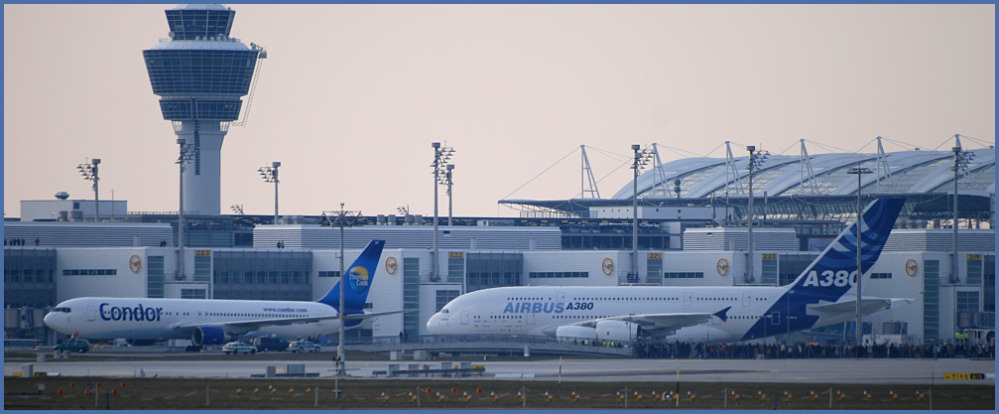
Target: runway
x,y
853,371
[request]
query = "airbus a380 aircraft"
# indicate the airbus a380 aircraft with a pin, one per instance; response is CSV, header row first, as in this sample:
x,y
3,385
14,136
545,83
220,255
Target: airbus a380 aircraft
x,y
720,314
211,322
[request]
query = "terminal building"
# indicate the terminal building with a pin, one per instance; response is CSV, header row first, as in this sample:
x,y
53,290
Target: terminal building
x,y
694,221
47,261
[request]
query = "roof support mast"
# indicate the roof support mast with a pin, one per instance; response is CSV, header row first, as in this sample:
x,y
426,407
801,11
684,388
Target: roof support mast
x,y
807,175
587,175
731,172
882,161
658,174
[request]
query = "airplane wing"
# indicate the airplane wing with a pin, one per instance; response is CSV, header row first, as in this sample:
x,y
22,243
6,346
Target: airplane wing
x,y
241,327
661,322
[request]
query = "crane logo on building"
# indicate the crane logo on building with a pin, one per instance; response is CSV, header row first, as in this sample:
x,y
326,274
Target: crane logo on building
x,y
391,265
135,263
722,267
911,267
607,266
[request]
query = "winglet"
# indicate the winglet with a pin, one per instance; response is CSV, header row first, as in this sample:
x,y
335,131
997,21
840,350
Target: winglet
x,y
723,314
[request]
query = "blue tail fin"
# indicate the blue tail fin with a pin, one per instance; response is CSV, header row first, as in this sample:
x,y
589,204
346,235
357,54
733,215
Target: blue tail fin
x,y
834,272
360,274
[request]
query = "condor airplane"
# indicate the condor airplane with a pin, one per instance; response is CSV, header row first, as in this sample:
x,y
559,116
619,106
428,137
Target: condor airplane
x,y
720,314
211,322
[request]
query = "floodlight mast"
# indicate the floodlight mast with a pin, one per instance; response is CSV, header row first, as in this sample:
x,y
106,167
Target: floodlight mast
x,y
342,220
442,154
270,175
450,196
755,159
187,153
89,172
860,270
961,160
642,158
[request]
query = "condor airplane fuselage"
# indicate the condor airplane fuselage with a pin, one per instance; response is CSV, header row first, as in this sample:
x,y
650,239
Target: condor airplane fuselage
x,y
208,322
723,314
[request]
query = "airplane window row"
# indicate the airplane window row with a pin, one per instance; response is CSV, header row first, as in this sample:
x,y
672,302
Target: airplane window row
x,y
251,315
632,299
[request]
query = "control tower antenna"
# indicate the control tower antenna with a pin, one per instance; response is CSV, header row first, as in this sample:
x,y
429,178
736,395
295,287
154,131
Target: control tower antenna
x,y
200,75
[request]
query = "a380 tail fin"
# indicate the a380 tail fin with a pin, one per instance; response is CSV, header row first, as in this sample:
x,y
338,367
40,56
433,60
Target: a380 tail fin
x,y
359,276
834,272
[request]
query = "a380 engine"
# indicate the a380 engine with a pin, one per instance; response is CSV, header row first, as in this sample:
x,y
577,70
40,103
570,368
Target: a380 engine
x,y
208,335
617,331
604,331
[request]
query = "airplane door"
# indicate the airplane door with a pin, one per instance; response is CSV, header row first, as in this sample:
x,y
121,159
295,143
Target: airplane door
x,y
530,319
746,299
688,298
560,298
464,317
91,313
775,318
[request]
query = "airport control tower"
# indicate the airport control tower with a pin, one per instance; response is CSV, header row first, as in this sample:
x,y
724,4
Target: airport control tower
x,y
200,75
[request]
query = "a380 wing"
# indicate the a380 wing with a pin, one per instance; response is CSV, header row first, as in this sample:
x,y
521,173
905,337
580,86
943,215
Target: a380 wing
x,y
656,322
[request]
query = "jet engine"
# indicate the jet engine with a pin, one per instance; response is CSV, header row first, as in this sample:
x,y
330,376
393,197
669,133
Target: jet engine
x,y
575,332
617,331
208,335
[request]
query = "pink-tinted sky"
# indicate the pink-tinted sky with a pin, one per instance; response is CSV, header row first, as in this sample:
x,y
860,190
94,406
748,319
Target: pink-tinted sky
x,y
351,96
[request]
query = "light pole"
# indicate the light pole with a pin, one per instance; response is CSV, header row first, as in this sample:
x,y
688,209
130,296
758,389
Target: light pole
x,y
186,155
859,171
961,160
642,158
442,154
342,220
755,159
89,172
270,175
450,199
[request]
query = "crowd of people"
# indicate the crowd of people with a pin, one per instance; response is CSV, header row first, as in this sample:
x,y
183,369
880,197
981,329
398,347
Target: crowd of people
x,y
687,350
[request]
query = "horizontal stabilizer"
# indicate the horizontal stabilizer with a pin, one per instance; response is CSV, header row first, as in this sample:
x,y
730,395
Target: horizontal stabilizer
x,y
375,315
831,313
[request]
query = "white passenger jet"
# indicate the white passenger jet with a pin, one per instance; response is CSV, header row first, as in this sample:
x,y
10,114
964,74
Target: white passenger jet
x,y
211,322
716,314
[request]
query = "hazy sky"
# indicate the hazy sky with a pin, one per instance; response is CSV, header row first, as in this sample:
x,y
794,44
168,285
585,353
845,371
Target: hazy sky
x,y
351,96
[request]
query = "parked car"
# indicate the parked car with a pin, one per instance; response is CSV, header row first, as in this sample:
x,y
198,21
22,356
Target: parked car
x,y
74,345
303,345
270,343
238,347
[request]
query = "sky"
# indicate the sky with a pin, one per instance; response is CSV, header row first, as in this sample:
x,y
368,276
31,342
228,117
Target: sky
x,y
351,97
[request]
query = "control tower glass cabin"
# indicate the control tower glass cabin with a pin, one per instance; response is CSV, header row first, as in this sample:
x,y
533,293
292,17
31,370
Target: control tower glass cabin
x,y
200,75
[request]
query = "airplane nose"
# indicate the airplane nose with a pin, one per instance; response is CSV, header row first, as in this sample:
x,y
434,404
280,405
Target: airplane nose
x,y
434,323
49,320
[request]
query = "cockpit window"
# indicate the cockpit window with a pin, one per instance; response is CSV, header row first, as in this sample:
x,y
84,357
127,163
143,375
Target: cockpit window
x,y
63,310
445,310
